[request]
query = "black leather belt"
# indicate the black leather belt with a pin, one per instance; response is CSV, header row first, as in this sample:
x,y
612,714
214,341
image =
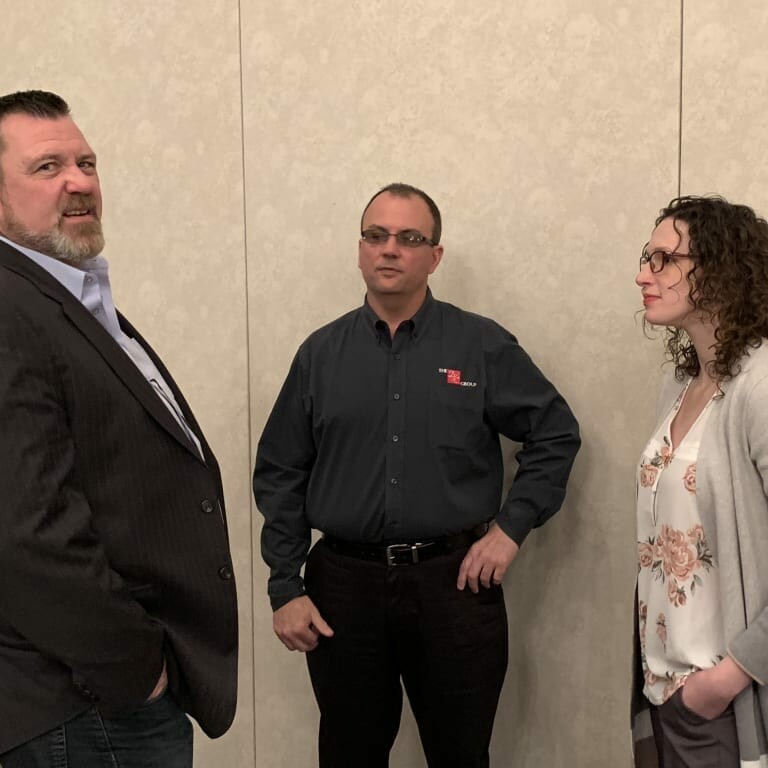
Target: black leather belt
x,y
406,553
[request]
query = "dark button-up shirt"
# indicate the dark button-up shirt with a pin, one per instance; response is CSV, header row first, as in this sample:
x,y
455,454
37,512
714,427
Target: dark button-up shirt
x,y
381,439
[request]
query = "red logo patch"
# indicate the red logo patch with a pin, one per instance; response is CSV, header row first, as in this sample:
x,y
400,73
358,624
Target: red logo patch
x,y
453,377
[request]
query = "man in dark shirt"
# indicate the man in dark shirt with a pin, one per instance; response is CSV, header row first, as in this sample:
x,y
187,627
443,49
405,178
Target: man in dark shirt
x,y
385,437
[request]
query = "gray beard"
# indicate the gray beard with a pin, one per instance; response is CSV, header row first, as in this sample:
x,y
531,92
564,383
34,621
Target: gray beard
x,y
87,243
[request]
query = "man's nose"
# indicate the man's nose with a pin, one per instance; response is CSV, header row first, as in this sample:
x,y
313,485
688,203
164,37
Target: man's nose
x,y
80,182
391,247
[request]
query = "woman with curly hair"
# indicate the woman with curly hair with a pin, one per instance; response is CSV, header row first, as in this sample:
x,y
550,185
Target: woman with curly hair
x,y
702,494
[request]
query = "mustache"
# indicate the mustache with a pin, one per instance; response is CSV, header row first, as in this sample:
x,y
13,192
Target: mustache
x,y
79,202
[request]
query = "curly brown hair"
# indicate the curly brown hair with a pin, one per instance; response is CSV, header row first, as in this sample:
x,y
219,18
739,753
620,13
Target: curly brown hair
x,y
729,281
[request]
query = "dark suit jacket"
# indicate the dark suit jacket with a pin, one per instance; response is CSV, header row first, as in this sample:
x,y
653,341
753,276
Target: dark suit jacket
x,y
113,543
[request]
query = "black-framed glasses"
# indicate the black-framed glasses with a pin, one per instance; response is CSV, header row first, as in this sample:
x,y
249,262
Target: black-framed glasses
x,y
659,259
407,238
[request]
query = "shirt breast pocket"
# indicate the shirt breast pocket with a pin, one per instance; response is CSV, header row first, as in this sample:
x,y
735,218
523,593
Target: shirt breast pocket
x,y
456,417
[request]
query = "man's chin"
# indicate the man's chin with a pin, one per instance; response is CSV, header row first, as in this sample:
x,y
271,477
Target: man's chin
x,y
80,250
86,242
71,250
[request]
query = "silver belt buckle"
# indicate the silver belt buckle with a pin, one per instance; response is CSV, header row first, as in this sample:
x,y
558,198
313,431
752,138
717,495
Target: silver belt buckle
x,y
395,549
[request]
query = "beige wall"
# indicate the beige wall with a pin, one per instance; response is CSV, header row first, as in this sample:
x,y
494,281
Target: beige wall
x,y
237,144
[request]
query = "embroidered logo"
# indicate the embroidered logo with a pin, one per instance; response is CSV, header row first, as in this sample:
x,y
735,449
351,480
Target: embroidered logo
x,y
452,376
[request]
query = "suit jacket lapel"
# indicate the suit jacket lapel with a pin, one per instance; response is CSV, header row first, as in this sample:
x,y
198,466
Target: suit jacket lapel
x,y
189,417
104,344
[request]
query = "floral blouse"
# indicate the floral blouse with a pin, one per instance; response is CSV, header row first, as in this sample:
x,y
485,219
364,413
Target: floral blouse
x,y
678,593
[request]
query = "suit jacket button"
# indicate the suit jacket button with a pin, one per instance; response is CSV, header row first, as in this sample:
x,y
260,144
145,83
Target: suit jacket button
x,y
207,506
225,572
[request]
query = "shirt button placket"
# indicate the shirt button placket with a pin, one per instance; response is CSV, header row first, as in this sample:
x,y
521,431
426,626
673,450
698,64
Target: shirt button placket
x,y
395,448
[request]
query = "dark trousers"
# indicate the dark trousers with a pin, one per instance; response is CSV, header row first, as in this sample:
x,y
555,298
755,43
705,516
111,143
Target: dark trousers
x,y
157,735
410,623
687,740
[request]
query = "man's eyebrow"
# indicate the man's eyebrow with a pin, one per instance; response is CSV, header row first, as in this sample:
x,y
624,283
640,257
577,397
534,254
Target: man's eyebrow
x,y
45,157
42,157
384,229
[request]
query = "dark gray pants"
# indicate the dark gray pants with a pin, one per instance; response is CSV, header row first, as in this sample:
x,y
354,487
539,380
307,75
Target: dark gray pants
x,y
687,740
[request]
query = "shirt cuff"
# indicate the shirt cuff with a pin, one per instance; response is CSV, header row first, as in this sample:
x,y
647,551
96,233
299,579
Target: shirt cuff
x,y
278,601
516,524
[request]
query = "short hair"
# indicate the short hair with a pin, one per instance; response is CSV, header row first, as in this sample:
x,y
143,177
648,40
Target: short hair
x,y
398,189
728,281
42,104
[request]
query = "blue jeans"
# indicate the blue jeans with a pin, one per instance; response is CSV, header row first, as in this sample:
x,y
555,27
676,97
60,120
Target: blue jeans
x,y
157,735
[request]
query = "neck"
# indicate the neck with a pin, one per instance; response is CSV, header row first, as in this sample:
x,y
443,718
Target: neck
x,y
394,309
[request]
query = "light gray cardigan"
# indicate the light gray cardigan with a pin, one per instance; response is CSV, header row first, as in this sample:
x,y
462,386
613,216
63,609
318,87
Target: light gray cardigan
x,y
732,496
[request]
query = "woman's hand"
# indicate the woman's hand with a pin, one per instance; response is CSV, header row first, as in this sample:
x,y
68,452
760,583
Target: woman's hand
x,y
708,692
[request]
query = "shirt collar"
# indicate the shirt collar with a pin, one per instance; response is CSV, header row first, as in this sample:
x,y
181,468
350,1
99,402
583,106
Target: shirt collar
x,y
423,317
418,322
72,278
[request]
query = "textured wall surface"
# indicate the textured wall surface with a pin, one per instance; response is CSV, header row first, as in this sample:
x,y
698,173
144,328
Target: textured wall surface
x,y
238,141
725,93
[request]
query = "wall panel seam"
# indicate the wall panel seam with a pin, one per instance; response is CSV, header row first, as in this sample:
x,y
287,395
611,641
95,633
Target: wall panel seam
x,y
680,102
249,404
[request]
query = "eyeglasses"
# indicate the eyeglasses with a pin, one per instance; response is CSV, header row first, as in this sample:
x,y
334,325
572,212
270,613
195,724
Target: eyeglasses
x,y
408,238
659,259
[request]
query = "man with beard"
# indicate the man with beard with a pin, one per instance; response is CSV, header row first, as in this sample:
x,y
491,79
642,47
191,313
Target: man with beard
x,y
117,600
